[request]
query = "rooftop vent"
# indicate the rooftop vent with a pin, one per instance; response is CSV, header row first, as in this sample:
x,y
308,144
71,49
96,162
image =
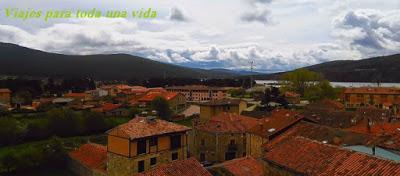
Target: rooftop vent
x,y
151,119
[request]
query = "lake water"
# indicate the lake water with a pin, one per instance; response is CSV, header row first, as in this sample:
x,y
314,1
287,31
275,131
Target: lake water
x,y
336,84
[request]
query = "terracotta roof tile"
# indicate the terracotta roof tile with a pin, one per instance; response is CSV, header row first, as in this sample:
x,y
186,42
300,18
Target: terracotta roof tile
x,y
228,123
93,156
5,91
222,102
321,133
310,157
200,87
325,104
372,90
72,95
246,166
187,167
140,127
150,96
277,121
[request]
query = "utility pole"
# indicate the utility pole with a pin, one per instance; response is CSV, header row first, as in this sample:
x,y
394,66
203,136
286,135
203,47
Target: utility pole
x,y
251,73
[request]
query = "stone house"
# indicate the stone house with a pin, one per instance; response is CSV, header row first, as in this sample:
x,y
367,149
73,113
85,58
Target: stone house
x,y
221,138
215,107
144,143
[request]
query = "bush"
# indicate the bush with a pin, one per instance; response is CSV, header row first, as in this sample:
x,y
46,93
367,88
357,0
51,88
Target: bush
x,y
10,131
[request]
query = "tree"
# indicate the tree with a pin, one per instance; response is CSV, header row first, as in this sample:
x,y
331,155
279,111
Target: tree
x,y
300,80
161,105
9,161
65,122
272,95
310,85
10,131
94,122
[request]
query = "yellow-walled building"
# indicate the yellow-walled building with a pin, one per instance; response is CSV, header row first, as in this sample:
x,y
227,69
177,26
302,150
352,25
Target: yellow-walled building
x,y
215,107
143,143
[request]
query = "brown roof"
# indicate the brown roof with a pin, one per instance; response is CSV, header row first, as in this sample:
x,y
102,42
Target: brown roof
x,y
5,91
187,167
150,96
325,104
372,90
277,121
321,133
222,102
141,127
374,114
228,123
246,166
337,119
309,157
199,87
93,156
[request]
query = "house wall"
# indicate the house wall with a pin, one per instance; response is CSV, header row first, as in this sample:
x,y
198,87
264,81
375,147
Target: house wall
x,y
123,165
5,98
217,145
254,145
118,145
207,111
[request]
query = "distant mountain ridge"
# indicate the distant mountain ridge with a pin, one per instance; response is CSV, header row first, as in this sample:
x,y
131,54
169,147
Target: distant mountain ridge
x,y
376,69
22,61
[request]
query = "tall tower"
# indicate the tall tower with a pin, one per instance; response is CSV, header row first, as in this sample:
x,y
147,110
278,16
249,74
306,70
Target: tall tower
x,y
251,73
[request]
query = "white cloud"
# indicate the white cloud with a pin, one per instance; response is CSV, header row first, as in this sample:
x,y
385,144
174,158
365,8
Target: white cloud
x,y
372,32
215,37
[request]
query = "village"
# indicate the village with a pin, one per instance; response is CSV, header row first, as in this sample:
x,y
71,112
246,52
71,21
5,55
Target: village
x,y
207,130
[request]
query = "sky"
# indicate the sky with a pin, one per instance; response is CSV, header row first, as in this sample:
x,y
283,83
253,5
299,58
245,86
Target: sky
x,y
277,35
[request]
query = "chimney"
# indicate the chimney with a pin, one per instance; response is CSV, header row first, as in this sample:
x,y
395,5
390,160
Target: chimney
x,y
369,126
373,150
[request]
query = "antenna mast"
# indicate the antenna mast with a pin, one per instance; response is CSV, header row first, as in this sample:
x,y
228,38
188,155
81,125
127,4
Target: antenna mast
x,y
251,73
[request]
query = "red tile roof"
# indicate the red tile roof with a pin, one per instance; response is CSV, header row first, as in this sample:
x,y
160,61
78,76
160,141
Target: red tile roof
x,y
76,95
321,133
187,167
325,104
156,89
372,90
278,120
310,157
222,102
246,166
109,106
5,91
291,94
378,129
152,95
141,127
228,123
93,156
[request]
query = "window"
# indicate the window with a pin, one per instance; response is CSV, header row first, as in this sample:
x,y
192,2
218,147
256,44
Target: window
x,y
153,161
153,141
232,142
140,166
202,157
141,146
244,154
175,142
202,142
174,156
